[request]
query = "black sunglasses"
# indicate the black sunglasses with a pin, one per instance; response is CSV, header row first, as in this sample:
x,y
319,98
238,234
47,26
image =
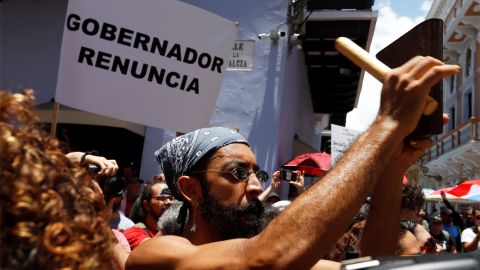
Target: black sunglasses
x,y
242,174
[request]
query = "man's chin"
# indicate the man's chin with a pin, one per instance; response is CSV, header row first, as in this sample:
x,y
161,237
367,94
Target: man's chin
x,y
242,221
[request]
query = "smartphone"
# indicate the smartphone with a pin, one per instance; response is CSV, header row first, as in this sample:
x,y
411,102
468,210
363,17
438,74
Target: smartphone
x,y
288,175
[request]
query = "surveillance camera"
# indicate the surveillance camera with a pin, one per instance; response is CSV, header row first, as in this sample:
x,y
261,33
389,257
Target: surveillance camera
x,y
263,36
295,36
295,42
274,34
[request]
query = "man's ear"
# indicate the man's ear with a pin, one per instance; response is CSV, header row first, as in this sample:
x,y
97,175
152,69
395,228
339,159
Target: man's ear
x,y
191,188
146,205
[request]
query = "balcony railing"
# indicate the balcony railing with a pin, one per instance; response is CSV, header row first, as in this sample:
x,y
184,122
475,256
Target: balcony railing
x,y
462,134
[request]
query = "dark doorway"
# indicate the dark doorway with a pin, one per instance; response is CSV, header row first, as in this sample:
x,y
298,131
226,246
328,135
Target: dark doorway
x,y
113,143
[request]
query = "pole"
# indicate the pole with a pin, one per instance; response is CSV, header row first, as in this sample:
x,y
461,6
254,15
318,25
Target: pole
x,y
53,127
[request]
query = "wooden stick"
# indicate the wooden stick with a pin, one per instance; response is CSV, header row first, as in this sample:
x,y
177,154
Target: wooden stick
x,y
53,126
372,65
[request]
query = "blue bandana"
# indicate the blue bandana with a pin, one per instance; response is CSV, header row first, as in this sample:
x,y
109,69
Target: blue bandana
x,y
180,155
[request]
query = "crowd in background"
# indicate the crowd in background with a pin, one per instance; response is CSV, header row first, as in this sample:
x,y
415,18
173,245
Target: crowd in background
x,y
133,208
79,210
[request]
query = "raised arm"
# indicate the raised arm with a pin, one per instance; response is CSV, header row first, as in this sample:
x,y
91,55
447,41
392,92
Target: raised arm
x,y
322,213
380,236
306,230
274,186
457,219
106,166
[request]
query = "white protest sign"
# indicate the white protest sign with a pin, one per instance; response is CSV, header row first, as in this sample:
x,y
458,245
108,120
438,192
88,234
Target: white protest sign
x,y
158,63
342,139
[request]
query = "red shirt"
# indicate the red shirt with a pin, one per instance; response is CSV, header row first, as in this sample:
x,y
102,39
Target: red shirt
x,y
136,235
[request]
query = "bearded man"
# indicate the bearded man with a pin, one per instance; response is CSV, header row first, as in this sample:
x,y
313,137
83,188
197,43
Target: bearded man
x,y
215,173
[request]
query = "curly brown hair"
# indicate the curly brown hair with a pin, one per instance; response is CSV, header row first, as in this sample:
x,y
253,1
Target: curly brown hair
x,y
412,197
348,244
51,214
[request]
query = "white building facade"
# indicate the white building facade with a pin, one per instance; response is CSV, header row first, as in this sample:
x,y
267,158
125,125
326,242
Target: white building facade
x,y
456,154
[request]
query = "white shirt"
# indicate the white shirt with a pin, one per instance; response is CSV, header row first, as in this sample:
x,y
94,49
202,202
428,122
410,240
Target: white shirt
x,y
468,235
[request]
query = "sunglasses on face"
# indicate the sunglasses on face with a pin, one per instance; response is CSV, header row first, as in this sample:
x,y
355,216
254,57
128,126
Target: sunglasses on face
x,y
477,217
242,174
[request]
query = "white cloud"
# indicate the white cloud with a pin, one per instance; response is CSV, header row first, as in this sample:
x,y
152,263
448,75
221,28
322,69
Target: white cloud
x,y
389,27
426,5
362,116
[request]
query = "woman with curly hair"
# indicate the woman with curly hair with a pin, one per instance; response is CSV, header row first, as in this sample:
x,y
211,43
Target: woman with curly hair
x,y
51,212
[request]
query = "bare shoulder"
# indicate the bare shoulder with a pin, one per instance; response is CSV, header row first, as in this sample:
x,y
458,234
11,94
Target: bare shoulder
x,y
174,252
326,265
160,251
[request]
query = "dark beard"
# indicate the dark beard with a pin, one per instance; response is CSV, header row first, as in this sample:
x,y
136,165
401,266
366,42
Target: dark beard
x,y
155,215
239,221
469,223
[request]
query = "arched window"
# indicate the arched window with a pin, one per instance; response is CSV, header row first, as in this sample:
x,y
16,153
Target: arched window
x,y
452,84
467,105
451,121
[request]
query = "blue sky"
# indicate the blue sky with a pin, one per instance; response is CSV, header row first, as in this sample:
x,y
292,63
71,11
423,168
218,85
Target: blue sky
x,y
395,17
410,8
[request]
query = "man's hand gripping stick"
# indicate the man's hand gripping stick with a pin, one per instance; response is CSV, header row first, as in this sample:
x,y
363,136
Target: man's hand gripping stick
x,y
372,65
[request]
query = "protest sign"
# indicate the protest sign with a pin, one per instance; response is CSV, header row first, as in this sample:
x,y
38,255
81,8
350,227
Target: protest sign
x,y
143,61
342,139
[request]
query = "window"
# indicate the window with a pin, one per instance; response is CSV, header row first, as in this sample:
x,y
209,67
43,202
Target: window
x,y
451,122
468,63
469,99
467,105
452,84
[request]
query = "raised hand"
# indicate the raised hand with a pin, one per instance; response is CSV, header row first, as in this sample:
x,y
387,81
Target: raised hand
x,y
406,89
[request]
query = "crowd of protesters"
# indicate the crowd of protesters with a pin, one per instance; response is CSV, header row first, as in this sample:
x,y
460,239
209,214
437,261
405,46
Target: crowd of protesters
x,y
64,210
455,231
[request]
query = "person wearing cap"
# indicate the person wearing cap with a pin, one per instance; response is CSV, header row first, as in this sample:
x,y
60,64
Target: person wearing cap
x,y
442,237
215,173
